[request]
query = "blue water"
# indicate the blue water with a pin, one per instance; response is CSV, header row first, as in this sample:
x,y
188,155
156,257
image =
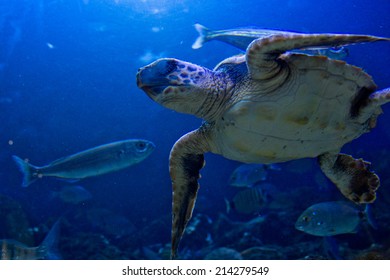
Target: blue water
x,y
67,83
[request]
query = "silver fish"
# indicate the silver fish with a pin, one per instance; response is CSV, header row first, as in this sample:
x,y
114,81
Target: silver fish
x,y
242,37
238,37
14,250
92,162
334,53
332,218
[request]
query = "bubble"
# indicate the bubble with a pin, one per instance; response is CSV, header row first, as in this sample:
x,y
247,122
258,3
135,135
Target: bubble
x,y
10,142
156,29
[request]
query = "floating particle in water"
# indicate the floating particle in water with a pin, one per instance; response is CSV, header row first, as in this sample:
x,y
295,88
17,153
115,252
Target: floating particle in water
x,y
157,29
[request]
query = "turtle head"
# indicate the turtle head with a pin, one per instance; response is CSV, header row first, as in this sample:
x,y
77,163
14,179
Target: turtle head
x,y
178,85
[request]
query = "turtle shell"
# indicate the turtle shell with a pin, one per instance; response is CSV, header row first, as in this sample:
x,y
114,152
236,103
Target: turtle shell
x,y
315,105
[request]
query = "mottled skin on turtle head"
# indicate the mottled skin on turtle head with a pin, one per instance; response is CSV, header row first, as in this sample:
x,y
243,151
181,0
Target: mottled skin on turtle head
x,y
185,87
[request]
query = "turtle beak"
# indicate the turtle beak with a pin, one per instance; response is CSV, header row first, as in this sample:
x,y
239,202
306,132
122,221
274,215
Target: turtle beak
x,y
153,78
148,83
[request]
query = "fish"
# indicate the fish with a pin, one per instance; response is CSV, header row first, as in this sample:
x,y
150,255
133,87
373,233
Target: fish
x,y
247,201
334,53
73,194
15,250
92,162
241,38
246,175
332,218
238,37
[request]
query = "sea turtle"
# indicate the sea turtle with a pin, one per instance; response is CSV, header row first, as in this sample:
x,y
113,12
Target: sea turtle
x,y
269,106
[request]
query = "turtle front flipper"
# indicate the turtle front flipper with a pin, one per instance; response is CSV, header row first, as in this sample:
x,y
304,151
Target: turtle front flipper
x,y
351,176
262,55
186,160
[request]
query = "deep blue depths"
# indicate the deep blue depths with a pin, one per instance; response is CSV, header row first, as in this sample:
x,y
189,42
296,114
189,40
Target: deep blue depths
x,y
67,83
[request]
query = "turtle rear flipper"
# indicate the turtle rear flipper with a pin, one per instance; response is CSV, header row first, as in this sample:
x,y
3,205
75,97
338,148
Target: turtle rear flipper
x,y
380,97
351,176
262,54
185,161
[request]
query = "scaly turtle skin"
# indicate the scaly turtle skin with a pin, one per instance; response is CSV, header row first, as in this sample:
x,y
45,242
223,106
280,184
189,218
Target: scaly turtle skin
x,y
269,106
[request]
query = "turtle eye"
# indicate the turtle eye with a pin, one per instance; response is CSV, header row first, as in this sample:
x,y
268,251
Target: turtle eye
x,y
306,219
166,66
171,65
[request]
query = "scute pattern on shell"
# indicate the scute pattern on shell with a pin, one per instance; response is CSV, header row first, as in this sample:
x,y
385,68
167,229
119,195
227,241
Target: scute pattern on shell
x,y
279,123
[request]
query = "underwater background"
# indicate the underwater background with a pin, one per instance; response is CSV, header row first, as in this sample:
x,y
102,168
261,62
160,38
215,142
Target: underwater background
x,y
67,83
